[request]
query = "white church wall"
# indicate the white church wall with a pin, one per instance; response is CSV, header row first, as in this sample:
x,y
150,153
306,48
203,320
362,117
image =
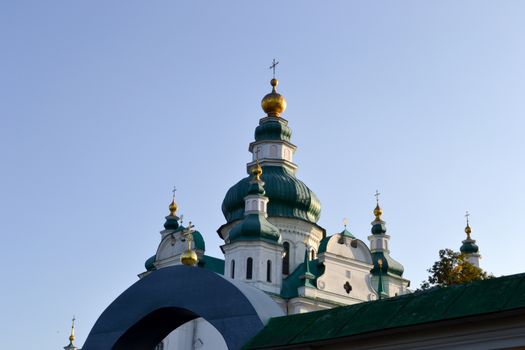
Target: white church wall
x,y
260,253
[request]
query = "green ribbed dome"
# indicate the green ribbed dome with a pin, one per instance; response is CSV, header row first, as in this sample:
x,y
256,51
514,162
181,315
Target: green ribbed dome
x,y
469,247
149,264
273,129
389,264
289,197
254,227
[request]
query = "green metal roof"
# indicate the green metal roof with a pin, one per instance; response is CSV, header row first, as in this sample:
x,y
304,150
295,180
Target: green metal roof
x,y
438,304
294,281
198,240
273,129
213,264
255,227
390,265
289,196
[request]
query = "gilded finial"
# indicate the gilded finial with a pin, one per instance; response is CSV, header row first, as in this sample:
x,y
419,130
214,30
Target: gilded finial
x,y
380,263
468,230
189,257
257,171
72,335
173,205
273,103
378,211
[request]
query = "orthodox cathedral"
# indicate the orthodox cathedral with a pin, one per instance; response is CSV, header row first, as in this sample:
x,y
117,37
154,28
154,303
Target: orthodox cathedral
x,y
271,237
273,243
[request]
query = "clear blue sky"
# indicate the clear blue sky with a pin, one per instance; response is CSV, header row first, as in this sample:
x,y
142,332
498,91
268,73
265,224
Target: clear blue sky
x,y
105,105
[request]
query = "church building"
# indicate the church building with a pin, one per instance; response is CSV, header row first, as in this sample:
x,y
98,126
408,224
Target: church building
x,y
281,272
272,240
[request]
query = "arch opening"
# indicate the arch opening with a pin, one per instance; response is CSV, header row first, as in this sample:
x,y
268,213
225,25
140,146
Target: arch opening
x,y
150,330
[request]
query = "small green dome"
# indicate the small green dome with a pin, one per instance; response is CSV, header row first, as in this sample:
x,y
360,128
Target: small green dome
x,y
347,233
289,197
273,129
469,247
198,240
256,187
389,264
172,222
255,227
149,264
379,228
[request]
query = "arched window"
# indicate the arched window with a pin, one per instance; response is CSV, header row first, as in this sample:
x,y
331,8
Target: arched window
x,y
249,268
286,258
232,270
268,271
312,254
273,151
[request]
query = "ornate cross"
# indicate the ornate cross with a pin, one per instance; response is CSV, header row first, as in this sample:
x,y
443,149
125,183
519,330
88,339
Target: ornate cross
x,y
467,214
345,222
174,190
274,64
377,196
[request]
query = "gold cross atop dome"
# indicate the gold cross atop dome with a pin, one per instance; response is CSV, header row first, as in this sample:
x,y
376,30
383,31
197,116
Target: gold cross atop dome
x,y
173,205
72,335
272,67
273,103
468,230
378,211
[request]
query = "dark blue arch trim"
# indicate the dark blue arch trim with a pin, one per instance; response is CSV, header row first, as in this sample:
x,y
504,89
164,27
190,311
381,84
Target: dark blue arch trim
x,y
152,307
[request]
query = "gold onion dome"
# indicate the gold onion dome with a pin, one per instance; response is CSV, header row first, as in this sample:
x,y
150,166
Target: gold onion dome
x,y
257,171
378,212
273,103
189,257
173,207
468,230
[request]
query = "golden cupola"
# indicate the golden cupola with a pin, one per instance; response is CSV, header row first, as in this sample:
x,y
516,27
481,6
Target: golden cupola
x,y
378,212
273,103
189,257
173,207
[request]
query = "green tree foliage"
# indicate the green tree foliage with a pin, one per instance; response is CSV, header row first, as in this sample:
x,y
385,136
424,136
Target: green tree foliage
x,y
452,268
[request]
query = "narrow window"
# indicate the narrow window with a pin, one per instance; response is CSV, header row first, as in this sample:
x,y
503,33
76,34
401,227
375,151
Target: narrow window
x,y
312,254
273,151
268,271
286,258
232,271
249,268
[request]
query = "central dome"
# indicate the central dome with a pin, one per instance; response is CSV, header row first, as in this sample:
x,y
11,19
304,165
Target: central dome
x,y
289,197
273,103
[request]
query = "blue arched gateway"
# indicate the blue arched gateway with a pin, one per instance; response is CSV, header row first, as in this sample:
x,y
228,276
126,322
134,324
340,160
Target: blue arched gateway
x,y
157,304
